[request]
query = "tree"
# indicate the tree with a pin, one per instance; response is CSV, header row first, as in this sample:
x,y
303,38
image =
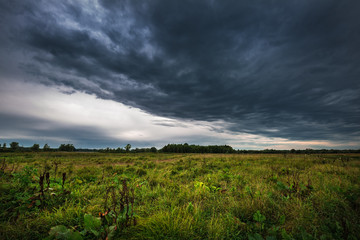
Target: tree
x,y
119,150
46,147
67,148
14,146
3,148
127,147
153,149
35,147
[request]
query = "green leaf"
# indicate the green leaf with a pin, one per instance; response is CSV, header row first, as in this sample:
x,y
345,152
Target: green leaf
x,y
122,216
112,231
255,236
282,219
259,217
60,230
92,224
111,214
190,207
285,235
75,236
270,238
282,186
62,233
37,203
108,219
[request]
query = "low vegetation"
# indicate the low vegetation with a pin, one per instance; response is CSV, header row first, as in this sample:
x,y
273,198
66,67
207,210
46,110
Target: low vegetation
x,y
73,195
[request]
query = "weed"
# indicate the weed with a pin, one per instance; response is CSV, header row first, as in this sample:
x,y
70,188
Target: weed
x,y
56,164
3,166
119,205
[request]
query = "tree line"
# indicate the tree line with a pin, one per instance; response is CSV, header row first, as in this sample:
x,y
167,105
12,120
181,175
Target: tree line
x,y
15,147
186,148
169,148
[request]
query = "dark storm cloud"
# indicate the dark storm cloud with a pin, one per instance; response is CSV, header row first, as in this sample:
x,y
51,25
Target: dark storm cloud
x,y
276,68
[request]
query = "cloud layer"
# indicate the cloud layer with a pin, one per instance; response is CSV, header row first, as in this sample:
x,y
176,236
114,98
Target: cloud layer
x,y
285,69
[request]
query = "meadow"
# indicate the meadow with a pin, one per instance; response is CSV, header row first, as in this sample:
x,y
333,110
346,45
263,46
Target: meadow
x,y
58,195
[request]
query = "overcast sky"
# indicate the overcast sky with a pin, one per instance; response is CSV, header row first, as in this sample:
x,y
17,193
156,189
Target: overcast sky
x,y
251,74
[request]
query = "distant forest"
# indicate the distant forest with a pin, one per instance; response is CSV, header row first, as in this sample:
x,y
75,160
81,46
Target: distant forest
x,y
169,148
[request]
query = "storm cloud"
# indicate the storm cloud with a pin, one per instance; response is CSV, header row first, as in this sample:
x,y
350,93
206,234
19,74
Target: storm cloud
x,y
287,69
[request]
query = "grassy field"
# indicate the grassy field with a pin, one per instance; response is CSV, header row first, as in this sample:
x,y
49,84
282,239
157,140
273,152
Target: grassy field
x,y
179,196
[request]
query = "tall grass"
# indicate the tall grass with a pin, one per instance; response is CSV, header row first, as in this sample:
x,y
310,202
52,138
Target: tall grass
x,y
185,196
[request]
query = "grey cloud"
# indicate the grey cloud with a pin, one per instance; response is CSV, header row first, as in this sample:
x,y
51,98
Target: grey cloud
x,y
26,129
289,65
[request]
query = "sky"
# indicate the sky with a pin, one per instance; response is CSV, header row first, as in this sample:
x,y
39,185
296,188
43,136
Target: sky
x,y
250,74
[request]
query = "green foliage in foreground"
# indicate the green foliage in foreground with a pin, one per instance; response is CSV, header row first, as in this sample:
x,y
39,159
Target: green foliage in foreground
x,y
179,196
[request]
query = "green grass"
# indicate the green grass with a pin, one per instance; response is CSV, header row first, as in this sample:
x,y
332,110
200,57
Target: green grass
x,y
185,196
